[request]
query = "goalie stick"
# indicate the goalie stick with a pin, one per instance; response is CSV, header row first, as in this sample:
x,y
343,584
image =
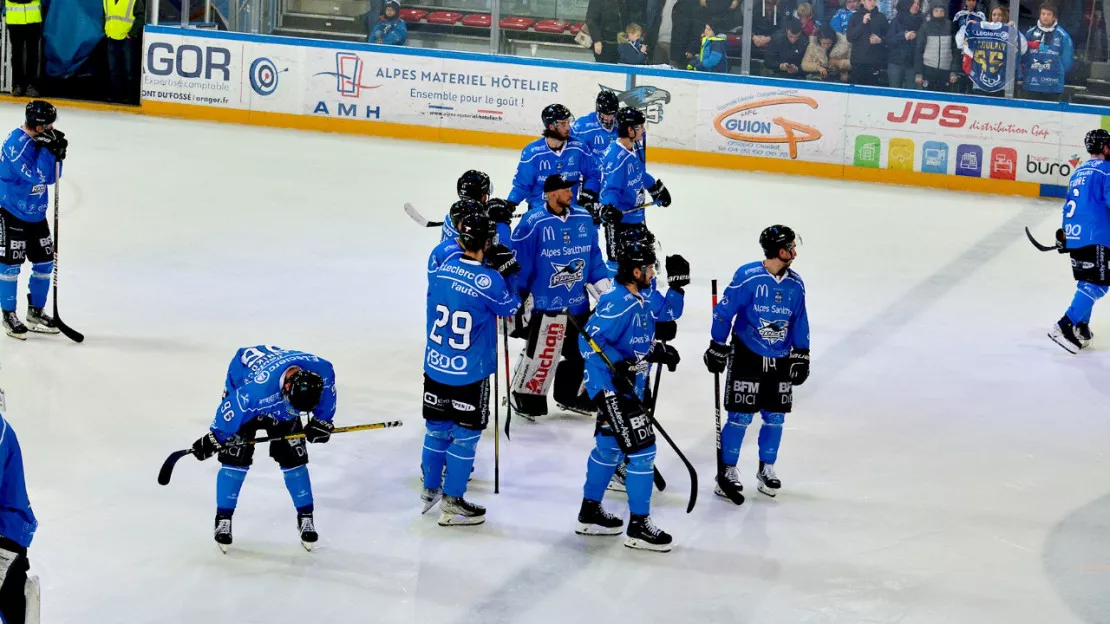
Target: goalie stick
x,y
166,471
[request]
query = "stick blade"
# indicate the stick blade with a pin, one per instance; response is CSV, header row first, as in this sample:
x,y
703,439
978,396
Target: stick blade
x,y
68,331
1036,244
420,219
166,471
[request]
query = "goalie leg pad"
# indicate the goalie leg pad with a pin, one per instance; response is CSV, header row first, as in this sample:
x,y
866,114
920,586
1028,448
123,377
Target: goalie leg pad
x,y
535,370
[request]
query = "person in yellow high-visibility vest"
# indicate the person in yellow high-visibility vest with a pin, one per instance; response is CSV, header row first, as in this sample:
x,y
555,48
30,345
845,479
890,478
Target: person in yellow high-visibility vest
x,y
123,26
24,19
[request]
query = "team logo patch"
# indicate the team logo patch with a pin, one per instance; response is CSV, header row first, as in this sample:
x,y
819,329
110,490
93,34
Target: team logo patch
x,y
566,237
262,377
568,274
483,282
778,297
772,331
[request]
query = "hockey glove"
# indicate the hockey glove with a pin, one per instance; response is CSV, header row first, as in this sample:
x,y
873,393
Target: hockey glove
x,y
624,376
798,361
588,200
501,259
678,273
611,214
663,353
1061,242
207,446
716,357
499,211
318,431
55,142
660,194
666,330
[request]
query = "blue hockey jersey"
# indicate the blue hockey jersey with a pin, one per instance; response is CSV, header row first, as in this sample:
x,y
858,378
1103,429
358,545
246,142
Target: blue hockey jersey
x,y
1049,61
464,300
25,171
768,313
444,251
589,130
17,521
538,161
1087,207
558,256
253,387
448,232
623,325
625,181
984,47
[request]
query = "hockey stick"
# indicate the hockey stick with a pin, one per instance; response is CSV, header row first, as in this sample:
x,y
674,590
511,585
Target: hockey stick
x,y
496,427
717,399
423,221
649,413
166,471
660,482
66,330
508,378
1039,246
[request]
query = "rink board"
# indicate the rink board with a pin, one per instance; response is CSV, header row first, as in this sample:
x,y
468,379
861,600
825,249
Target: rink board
x,y
834,131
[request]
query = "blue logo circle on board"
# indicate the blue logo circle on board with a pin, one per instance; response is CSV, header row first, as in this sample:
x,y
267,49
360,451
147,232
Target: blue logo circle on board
x,y
264,76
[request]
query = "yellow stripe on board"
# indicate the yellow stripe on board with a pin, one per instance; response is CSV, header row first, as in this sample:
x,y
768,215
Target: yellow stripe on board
x,y
513,141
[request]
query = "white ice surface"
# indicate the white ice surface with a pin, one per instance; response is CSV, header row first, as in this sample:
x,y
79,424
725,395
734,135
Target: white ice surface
x,y
931,464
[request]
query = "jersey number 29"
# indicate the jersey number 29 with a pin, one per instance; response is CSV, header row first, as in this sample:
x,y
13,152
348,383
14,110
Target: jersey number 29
x,y
460,322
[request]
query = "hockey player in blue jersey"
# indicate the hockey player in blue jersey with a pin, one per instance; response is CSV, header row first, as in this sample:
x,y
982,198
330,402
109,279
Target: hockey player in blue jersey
x,y
17,529
267,389
626,183
623,326
450,247
560,261
1085,236
598,129
556,152
31,154
475,185
467,294
764,309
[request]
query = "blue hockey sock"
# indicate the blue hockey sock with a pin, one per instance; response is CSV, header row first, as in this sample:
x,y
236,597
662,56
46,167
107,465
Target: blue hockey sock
x,y
299,485
600,467
228,483
436,441
770,435
9,280
640,480
1086,294
732,436
40,282
460,459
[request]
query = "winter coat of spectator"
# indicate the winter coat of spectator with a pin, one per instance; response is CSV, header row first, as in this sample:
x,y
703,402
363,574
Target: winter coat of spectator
x,y
605,19
839,22
806,19
390,29
1049,59
866,32
787,49
724,14
767,18
902,39
686,26
713,56
827,56
936,63
970,11
633,50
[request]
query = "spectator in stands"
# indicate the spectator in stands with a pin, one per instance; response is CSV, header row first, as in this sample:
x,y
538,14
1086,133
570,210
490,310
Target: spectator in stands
x,y
390,29
827,54
986,70
633,50
766,17
902,37
605,19
970,11
866,30
839,22
686,24
805,18
124,31
24,19
936,59
723,13
1049,59
713,56
787,49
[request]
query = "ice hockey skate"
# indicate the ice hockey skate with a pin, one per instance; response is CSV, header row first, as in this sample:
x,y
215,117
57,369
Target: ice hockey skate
x,y
644,535
594,520
455,510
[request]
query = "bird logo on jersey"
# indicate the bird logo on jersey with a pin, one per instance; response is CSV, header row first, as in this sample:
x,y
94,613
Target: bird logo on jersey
x,y
772,331
567,274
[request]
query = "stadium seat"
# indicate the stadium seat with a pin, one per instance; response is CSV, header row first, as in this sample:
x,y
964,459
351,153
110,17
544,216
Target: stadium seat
x,y
516,23
412,16
446,18
477,20
552,26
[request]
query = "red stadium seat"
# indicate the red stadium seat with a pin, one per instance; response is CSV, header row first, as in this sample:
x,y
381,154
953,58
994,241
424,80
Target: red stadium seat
x,y
516,23
412,16
446,18
478,20
552,26
574,29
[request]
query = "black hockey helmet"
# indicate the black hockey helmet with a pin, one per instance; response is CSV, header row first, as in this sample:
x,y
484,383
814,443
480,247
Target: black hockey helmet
x,y
775,238
474,185
391,4
635,234
553,113
634,255
476,231
40,113
463,208
629,118
607,103
1096,141
302,390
